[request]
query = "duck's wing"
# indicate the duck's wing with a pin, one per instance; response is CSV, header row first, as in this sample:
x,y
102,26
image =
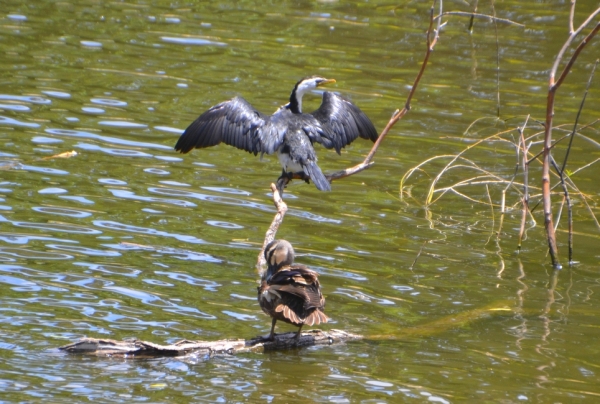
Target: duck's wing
x,y
299,284
236,123
345,121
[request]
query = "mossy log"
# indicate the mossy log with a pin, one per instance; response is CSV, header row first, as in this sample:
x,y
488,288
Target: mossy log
x,y
144,349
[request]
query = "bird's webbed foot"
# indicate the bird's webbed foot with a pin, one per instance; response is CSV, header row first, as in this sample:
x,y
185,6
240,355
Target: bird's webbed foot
x,y
304,177
268,338
282,181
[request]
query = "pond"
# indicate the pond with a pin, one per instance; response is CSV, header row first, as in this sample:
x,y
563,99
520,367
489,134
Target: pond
x,y
107,232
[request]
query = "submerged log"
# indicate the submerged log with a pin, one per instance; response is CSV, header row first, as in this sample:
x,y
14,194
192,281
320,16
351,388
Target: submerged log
x,y
144,349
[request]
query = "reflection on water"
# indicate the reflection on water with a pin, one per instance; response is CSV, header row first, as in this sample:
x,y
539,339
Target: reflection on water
x,y
129,239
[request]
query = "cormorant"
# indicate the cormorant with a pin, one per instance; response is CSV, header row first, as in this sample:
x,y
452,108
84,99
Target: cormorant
x,y
289,132
289,292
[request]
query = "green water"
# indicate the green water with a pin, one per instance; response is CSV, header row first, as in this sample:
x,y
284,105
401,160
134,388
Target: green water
x,y
131,239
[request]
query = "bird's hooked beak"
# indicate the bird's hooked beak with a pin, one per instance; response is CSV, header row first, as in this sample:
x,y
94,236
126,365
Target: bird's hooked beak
x,y
324,82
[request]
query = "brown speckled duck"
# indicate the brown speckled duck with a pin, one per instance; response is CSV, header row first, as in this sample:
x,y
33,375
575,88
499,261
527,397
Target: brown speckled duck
x,y
290,292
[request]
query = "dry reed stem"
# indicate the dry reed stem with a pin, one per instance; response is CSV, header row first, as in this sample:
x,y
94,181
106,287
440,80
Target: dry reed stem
x,y
525,198
552,88
477,15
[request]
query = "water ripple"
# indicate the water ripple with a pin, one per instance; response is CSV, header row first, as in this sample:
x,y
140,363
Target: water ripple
x,y
57,94
226,190
153,300
113,152
111,181
26,98
85,250
169,129
237,202
109,224
123,124
192,41
92,110
91,44
44,170
358,295
223,225
32,254
156,171
119,193
44,139
14,107
67,228
53,190
25,239
110,269
105,139
240,316
190,280
61,211
109,102
345,274
79,199
4,120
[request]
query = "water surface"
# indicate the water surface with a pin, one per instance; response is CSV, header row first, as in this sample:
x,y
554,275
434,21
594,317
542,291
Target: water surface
x,y
129,239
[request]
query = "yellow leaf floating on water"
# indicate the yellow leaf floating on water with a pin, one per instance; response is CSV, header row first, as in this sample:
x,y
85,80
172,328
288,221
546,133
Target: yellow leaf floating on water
x,y
64,155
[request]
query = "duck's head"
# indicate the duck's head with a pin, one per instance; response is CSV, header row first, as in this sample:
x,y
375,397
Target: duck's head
x,y
279,253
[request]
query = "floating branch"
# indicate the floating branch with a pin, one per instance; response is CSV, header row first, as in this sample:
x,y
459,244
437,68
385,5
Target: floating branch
x,y
206,349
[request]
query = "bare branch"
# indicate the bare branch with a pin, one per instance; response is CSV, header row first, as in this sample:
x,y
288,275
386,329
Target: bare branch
x,y
476,15
272,231
398,114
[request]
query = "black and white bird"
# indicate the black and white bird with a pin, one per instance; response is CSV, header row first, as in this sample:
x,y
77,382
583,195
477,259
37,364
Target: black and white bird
x,y
288,132
290,292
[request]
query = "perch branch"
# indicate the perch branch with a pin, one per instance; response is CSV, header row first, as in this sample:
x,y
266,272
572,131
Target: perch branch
x,y
272,230
204,349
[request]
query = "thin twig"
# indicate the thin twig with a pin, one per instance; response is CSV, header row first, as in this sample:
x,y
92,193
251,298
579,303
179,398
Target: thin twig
x,y
476,15
574,131
398,114
571,17
417,257
497,62
525,148
473,16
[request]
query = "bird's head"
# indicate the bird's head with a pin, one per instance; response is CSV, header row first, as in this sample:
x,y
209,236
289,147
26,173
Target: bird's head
x,y
303,86
310,83
279,253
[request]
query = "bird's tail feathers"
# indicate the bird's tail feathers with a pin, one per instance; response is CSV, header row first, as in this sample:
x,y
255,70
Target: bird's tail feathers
x,y
315,318
316,175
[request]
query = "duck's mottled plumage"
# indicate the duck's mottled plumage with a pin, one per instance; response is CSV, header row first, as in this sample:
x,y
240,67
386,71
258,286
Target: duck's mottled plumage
x,y
290,292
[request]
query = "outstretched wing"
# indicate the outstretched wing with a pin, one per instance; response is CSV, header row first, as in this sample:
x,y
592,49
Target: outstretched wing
x,y
236,123
345,122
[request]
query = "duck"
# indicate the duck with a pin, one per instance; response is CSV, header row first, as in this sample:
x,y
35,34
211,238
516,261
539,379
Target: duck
x,y
289,132
290,292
